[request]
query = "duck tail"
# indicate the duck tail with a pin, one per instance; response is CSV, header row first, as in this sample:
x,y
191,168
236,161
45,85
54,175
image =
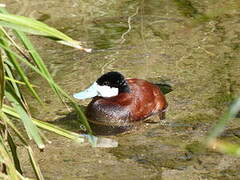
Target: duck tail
x,y
164,87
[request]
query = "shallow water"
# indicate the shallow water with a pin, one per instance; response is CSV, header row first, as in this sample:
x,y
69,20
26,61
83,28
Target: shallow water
x,y
193,45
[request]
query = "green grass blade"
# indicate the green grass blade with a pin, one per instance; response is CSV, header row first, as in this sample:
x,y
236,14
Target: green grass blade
x,y
10,111
46,126
33,26
21,22
44,73
19,70
233,111
35,164
94,141
78,110
59,131
220,145
30,127
25,79
20,28
59,90
37,60
15,55
2,81
226,147
82,117
32,51
17,82
8,66
13,148
11,171
9,72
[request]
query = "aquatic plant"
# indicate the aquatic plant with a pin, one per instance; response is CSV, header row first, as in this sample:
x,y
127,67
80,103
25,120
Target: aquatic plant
x,y
16,49
223,146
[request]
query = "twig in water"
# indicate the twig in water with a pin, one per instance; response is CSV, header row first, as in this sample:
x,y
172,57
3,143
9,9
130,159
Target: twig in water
x,y
129,26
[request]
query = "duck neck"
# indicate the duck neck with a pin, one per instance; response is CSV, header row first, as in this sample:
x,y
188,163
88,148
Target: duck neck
x,y
124,88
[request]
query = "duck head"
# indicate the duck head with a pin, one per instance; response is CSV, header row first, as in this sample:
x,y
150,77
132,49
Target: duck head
x,y
108,85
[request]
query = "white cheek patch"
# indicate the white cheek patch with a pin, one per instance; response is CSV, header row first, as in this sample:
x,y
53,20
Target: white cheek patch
x,y
107,91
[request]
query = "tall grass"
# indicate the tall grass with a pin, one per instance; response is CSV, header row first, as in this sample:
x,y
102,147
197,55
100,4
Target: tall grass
x,y
12,102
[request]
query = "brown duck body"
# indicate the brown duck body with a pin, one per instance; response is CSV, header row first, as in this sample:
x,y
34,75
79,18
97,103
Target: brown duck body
x,y
143,100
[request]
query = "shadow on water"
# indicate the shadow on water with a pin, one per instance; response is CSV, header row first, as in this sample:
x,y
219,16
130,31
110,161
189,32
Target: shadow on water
x,y
71,123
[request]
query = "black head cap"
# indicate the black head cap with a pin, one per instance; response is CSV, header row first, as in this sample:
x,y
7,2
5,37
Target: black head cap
x,y
114,79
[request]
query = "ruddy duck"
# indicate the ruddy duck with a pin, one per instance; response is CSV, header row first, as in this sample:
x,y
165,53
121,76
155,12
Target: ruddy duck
x,y
118,101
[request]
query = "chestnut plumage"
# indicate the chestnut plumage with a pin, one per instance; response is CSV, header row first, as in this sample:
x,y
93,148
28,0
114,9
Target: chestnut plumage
x,y
135,100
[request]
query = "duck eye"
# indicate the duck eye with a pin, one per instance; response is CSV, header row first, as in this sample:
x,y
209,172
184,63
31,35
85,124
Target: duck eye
x,y
105,83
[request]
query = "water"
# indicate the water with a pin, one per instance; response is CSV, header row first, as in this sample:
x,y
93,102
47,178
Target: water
x,y
193,45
